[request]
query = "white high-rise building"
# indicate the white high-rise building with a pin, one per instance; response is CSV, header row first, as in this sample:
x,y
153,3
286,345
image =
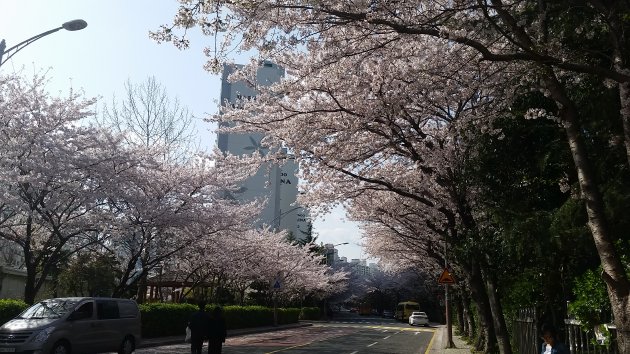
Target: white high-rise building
x,y
276,183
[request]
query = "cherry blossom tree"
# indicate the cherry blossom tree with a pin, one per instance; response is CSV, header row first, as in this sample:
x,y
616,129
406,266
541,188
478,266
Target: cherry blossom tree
x,y
164,208
520,45
52,186
261,256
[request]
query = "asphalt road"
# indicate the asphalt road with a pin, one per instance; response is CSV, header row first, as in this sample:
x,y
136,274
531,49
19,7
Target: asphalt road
x,y
345,335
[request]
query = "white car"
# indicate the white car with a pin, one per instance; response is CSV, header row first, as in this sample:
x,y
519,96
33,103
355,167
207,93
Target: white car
x,y
418,318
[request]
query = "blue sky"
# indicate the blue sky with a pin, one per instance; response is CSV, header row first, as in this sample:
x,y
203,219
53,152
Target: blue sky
x,y
115,47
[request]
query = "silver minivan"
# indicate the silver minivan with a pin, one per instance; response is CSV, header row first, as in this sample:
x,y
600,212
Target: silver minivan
x,y
74,325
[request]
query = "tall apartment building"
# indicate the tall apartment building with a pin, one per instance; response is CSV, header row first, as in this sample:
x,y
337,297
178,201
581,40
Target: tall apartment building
x,y
277,183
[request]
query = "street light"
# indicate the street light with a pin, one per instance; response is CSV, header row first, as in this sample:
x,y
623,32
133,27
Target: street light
x,y
276,221
74,25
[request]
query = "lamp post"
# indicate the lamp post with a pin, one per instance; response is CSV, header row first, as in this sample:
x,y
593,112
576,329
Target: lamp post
x,y
277,220
74,25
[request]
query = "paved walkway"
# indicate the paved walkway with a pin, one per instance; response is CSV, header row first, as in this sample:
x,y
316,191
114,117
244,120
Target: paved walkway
x,y
439,343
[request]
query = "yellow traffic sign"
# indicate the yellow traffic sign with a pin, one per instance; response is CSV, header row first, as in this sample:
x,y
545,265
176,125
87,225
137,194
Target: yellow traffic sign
x,y
446,277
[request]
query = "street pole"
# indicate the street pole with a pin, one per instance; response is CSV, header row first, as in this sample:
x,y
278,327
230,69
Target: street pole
x,y
74,25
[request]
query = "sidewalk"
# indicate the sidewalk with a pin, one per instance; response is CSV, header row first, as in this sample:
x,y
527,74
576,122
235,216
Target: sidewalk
x,y
156,342
438,345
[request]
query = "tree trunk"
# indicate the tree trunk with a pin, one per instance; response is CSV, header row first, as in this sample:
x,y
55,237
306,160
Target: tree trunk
x,y
141,295
614,273
624,100
500,327
459,306
470,320
29,288
480,297
482,339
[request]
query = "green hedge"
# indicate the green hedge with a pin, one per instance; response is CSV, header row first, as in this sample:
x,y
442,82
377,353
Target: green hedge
x,y
165,319
310,313
159,320
10,308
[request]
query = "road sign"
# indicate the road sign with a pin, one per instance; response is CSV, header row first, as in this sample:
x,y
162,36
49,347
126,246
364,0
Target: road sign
x,y
276,283
446,278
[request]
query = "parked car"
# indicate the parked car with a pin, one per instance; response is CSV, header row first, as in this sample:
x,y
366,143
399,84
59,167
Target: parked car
x,y
418,318
388,314
74,325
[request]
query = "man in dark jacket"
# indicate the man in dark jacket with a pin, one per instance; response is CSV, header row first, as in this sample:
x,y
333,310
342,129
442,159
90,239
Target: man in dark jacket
x,y
198,325
551,344
216,331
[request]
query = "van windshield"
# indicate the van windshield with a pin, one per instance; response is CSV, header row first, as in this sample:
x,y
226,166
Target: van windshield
x,y
54,308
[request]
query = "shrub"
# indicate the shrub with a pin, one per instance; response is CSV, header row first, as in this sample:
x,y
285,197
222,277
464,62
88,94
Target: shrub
x,y
10,308
310,313
288,315
247,316
161,319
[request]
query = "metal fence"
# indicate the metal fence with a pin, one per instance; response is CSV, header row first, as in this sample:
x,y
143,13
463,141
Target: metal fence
x,y
526,339
595,341
525,332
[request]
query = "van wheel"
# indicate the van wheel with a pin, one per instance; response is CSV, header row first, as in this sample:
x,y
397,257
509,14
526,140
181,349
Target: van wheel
x,y
127,346
60,348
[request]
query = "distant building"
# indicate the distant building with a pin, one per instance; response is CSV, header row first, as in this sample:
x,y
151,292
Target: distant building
x,y
361,267
331,254
13,274
276,183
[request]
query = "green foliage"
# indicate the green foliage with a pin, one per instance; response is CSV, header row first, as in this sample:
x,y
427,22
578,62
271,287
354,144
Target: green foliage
x,y
591,305
164,319
310,313
10,308
89,274
256,316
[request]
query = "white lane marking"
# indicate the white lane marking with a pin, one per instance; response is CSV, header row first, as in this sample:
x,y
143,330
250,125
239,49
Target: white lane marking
x,y
369,345
386,337
354,352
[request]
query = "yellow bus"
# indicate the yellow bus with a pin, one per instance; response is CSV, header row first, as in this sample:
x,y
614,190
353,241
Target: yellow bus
x,y
404,310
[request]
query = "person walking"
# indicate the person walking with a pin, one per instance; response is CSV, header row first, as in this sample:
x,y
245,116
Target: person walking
x,y
198,324
551,343
216,331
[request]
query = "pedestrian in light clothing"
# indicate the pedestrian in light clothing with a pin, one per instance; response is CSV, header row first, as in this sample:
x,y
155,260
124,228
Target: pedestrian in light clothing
x,y
216,331
198,325
551,343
